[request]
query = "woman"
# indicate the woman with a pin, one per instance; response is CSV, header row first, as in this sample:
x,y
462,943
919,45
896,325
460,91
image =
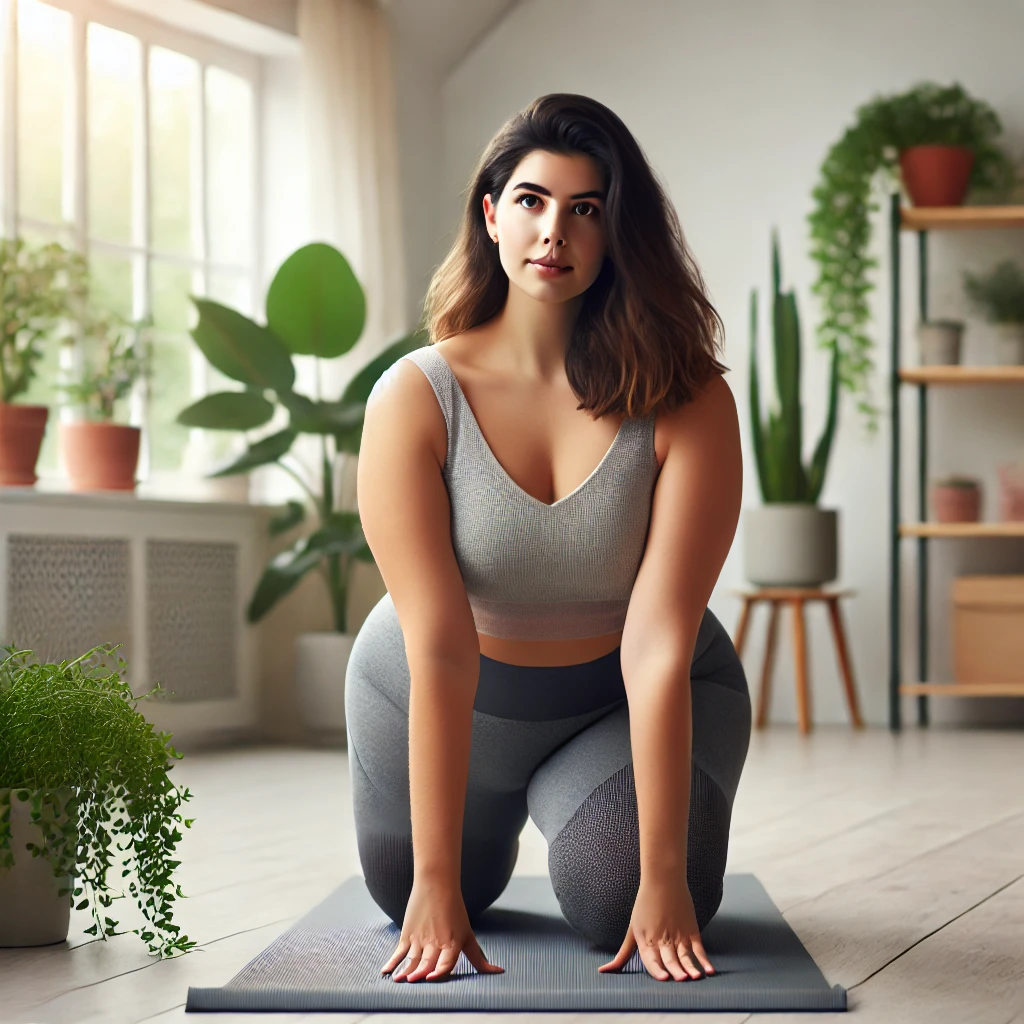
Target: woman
x,y
550,493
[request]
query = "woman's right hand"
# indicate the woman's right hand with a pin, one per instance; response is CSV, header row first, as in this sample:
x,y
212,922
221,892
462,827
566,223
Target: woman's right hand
x,y
435,930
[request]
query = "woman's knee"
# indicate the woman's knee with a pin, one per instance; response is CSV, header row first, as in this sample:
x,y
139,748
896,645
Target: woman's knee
x,y
388,869
594,861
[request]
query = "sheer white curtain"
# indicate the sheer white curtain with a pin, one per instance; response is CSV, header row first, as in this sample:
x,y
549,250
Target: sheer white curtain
x,y
352,148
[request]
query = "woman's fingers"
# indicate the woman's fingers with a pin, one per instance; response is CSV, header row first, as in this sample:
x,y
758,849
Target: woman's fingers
x,y
447,960
651,957
427,962
671,962
702,956
397,957
623,955
409,964
475,955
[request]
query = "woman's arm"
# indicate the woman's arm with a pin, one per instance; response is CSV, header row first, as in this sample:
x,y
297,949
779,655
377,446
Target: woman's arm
x,y
406,517
440,728
694,515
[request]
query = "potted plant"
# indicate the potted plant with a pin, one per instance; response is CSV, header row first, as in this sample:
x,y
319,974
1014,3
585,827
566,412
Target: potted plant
x,y
314,307
84,788
788,541
99,453
999,295
927,135
956,499
39,286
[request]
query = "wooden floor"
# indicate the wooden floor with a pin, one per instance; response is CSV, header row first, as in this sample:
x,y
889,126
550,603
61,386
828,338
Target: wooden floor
x,y
898,860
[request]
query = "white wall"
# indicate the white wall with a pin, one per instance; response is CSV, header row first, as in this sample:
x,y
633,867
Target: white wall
x,y
735,105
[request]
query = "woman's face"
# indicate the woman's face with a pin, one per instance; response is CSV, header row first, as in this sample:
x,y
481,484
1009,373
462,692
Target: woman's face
x,y
552,206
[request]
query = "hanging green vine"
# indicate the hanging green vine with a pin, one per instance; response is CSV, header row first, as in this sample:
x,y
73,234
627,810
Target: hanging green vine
x,y
95,772
868,152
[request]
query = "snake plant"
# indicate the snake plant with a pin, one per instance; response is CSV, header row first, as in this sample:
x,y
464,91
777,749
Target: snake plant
x,y
778,443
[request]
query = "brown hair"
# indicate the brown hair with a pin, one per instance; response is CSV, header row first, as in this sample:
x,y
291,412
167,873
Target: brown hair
x,y
646,334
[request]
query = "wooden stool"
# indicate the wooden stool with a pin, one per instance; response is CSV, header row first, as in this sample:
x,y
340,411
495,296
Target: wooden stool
x,y
796,597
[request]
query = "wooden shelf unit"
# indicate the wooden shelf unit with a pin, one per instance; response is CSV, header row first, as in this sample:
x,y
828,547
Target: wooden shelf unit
x,y
962,218
960,375
963,689
922,220
962,530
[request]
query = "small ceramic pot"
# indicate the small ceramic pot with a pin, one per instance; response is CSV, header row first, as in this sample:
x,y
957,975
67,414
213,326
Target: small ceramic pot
x,y
790,544
936,175
1011,344
21,436
100,456
952,504
32,913
938,342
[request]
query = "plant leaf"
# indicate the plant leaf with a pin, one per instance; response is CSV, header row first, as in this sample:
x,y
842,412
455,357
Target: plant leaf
x,y
341,533
819,461
315,305
359,387
269,449
294,513
756,425
309,417
228,410
240,348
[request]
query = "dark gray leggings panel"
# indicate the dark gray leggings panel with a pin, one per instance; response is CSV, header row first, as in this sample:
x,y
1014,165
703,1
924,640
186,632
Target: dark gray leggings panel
x,y
572,774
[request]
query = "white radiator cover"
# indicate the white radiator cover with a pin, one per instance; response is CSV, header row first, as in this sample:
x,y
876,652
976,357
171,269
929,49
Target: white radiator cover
x,y
170,580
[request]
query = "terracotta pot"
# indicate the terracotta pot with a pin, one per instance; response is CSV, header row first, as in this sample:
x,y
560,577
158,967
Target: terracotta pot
x,y
956,504
21,436
936,175
100,456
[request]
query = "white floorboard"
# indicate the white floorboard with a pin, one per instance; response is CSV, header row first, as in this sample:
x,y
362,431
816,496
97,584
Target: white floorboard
x,y
898,860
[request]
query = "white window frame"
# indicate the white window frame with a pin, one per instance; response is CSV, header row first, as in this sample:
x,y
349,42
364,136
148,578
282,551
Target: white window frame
x,y
150,32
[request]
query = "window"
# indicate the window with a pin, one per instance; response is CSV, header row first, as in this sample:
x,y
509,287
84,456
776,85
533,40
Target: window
x,y
135,143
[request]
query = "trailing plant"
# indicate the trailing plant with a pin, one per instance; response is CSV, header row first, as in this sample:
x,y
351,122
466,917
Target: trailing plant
x,y
116,354
74,746
778,443
999,294
315,307
40,286
840,223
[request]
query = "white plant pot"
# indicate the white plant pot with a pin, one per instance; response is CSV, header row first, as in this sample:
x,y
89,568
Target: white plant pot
x,y
790,545
31,912
321,661
1011,344
939,342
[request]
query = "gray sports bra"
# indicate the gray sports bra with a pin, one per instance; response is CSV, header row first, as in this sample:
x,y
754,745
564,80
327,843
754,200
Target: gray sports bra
x,y
535,571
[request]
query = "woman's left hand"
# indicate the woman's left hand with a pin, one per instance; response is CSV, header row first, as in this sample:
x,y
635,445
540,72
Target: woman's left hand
x,y
664,927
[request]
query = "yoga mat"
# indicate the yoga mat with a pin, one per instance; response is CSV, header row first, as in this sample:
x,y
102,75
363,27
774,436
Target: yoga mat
x,y
331,960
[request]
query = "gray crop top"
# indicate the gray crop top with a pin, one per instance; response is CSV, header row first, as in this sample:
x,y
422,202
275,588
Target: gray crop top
x,y
535,571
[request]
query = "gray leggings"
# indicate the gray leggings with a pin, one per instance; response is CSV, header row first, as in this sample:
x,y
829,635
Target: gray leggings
x,y
552,743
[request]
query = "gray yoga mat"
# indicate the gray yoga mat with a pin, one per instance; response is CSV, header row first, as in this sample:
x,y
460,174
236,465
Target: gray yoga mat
x,y
331,960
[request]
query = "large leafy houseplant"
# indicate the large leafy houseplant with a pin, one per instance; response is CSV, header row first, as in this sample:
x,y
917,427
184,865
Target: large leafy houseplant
x,y
315,307
95,773
869,150
778,443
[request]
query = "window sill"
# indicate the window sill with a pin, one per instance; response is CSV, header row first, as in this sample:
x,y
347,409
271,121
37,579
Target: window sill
x,y
167,494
